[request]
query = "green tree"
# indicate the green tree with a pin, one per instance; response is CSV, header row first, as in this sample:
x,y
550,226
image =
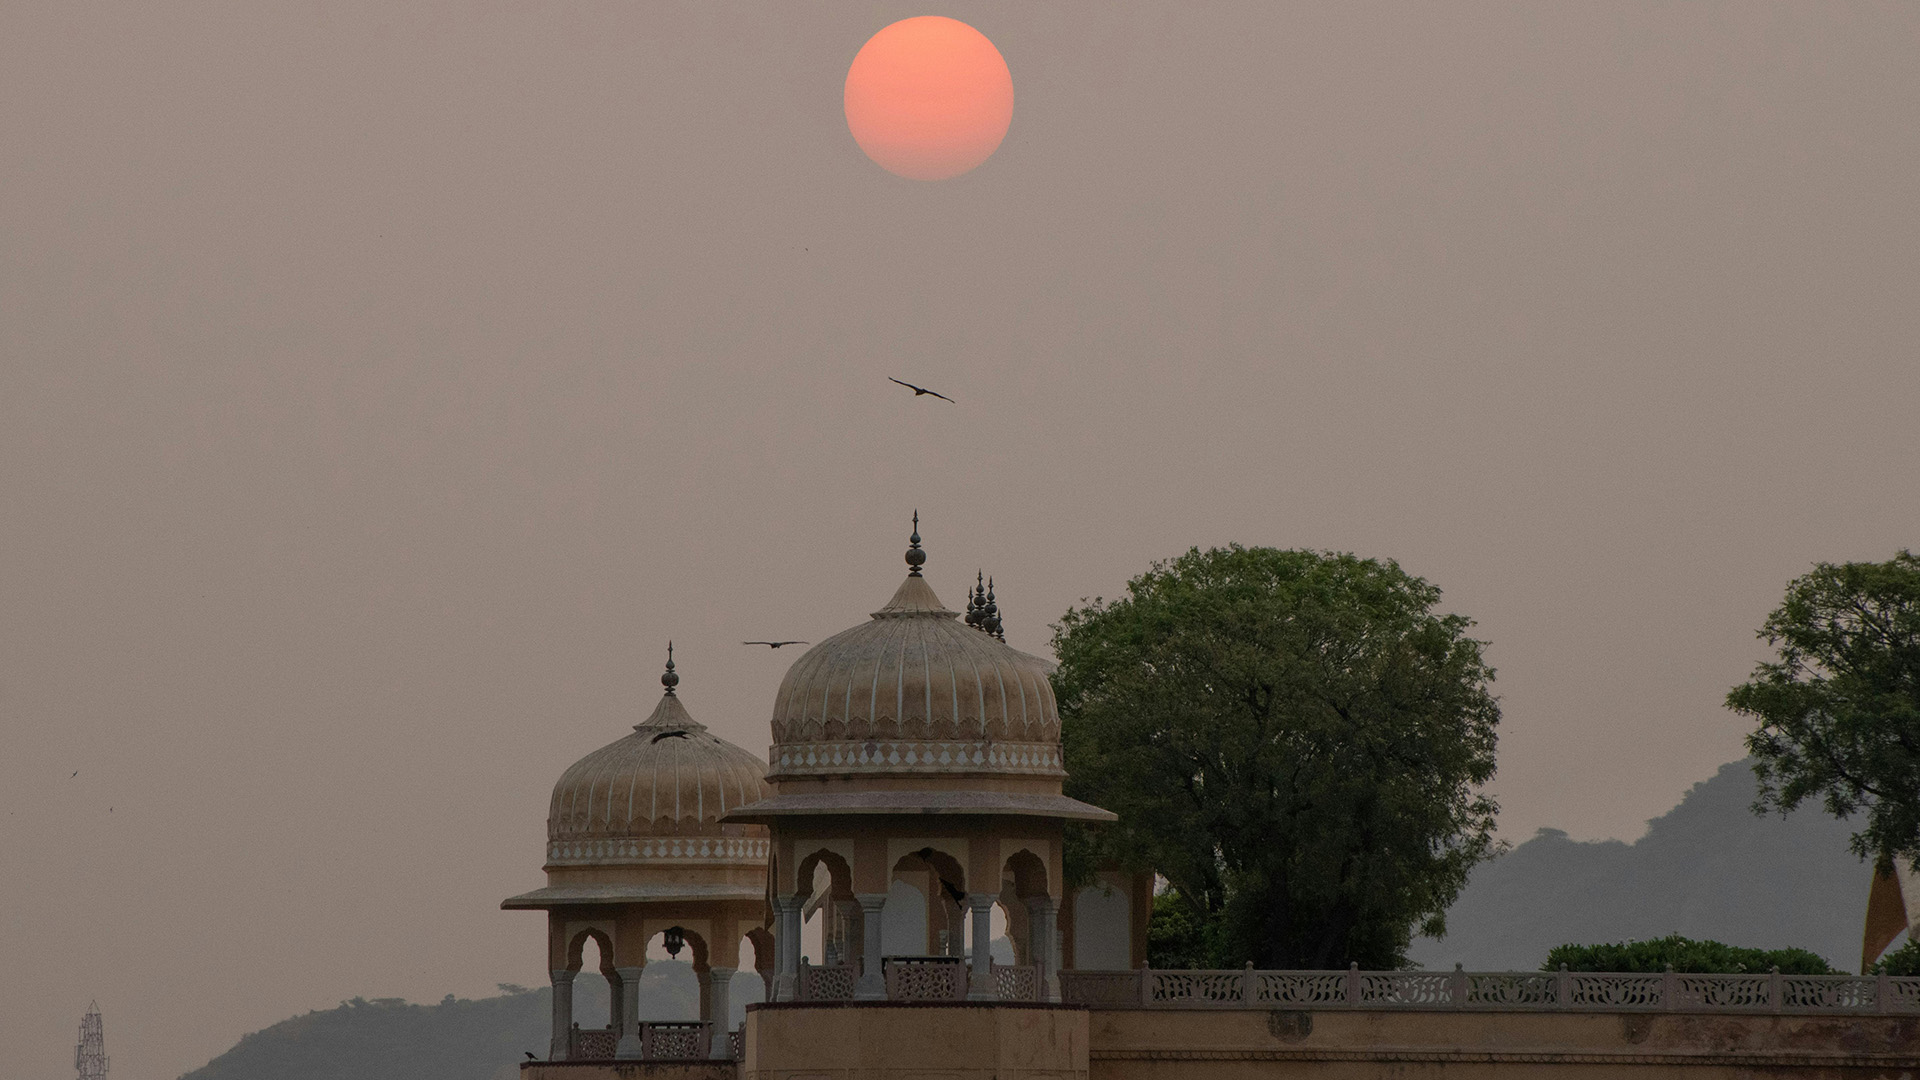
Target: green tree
x,y
1296,740
1839,708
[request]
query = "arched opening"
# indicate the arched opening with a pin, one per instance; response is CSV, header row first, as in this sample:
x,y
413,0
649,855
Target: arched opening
x,y
669,986
926,906
829,915
1030,913
596,995
753,982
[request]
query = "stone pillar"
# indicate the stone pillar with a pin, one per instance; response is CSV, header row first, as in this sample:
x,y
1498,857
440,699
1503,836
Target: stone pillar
x,y
716,1007
559,1049
627,1020
980,978
1043,944
786,948
873,984
614,1009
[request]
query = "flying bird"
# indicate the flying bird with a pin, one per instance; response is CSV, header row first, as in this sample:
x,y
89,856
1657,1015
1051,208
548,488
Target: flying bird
x,y
774,644
76,772
918,390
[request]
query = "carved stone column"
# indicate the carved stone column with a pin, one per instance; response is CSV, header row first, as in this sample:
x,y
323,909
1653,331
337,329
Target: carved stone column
x,y
628,1018
873,984
980,977
1043,945
716,1007
786,948
560,1048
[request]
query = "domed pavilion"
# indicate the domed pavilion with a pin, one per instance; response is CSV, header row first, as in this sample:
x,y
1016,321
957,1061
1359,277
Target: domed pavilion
x,y
637,848
916,785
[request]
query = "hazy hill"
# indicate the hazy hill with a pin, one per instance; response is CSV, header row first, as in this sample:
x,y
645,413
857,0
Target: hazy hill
x,y
1708,868
389,1039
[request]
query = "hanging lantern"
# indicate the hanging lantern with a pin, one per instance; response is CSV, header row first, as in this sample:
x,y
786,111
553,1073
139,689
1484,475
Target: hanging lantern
x,y
676,939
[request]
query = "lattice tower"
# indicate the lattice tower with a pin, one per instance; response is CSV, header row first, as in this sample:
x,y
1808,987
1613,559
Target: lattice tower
x,y
90,1054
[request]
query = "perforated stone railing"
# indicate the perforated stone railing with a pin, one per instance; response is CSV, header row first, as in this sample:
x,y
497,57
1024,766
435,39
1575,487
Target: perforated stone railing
x,y
592,1044
827,982
1497,990
926,978
675,1040
1016,982
660,1040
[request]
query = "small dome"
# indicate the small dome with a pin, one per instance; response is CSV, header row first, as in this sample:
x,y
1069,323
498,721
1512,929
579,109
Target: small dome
x,y
657,796
914,692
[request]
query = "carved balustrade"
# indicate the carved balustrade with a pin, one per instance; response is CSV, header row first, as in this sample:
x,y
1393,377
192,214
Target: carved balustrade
x,y
827,982
1016,982
676,1040
592,1044
1490,990
925,978
660,1040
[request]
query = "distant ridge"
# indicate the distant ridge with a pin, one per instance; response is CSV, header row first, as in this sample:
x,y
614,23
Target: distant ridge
x,y
458,1039
1708,868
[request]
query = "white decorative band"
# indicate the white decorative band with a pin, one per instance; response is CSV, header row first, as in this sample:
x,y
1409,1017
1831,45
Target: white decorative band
x,y
659,849
790,759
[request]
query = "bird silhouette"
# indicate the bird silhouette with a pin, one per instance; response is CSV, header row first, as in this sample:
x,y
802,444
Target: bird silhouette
x,y
774,644
76,772
530,1056
918,390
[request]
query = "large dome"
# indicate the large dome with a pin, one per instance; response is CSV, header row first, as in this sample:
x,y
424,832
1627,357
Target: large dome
x,y
656,796
914,692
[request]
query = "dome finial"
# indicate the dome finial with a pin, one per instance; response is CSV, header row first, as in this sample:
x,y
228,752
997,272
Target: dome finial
x,y
915,557
668,679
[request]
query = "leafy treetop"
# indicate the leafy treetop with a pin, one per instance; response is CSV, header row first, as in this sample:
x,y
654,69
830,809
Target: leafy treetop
x,y
1838,709
1296,740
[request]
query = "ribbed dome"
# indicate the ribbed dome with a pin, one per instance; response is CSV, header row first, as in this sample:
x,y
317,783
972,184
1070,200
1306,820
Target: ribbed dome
x,y
657,796
914,692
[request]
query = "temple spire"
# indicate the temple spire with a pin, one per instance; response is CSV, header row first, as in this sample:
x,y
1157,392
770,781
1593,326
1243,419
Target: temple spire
x,y
915,556
668,678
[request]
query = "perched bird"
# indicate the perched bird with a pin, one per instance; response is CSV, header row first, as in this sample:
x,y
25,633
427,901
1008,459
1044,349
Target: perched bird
x,y
530,1056
774,644
918,390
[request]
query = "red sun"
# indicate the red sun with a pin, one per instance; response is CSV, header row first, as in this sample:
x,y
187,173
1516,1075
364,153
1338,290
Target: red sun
x,y
929,98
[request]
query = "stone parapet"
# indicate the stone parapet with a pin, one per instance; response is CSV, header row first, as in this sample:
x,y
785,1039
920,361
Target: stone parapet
x,y
629,1070
1268,1044
899,1041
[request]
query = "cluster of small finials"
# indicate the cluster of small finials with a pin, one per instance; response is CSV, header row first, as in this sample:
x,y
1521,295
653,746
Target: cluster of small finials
x,y
982,613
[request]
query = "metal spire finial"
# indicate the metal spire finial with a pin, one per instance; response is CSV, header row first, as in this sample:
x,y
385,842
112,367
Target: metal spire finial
x,y
668,679
915,556
992,615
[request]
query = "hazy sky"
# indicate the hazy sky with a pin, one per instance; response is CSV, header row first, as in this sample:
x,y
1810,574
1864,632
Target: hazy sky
x,y
381,385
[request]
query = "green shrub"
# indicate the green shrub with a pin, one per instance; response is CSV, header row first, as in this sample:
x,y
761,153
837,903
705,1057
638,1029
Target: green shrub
x,y
1685,954
1904,960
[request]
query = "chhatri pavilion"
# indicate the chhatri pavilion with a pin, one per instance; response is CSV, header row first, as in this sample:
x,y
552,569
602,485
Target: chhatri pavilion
x,y
913,791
